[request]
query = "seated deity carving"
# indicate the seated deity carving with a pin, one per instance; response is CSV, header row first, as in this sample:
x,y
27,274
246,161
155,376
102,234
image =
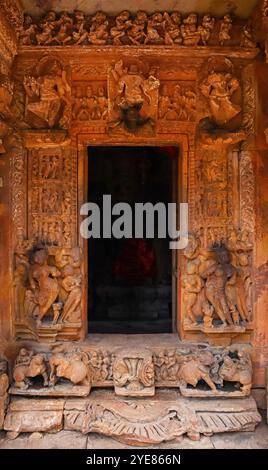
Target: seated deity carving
x,y
122,24
98,33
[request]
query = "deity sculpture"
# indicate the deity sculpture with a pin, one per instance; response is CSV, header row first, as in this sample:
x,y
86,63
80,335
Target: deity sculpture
x,y
219,88
136,33
190,31
48,96
98,33
155,29
79,28
28,31
43,283
48,27
222,292
122,24
206,28
133,90
225,29
172,28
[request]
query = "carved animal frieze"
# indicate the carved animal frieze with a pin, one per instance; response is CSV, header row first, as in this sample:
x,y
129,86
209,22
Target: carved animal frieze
x,y
217,282
133,97
27,366
133,374
48,95
205,372
63,372
159,28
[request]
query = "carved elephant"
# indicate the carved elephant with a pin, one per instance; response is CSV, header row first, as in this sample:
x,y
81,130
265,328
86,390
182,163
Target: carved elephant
x,y
36,366
71,366
192,371
233,371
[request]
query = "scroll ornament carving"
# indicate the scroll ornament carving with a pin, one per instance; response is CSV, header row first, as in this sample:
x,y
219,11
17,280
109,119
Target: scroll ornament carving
x,y
217,283
133,98
48,95
160,28
47,286
133,374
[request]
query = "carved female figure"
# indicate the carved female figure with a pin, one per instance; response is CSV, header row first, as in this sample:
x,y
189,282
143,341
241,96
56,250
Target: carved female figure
x,y
225,29
192,284
44,284
219,88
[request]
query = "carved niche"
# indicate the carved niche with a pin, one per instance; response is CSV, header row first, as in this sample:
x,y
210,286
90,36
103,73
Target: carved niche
x,y
133,374
52,211
48,95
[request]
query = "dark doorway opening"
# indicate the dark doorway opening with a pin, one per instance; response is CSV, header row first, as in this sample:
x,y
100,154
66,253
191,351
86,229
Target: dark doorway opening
x,y
130,279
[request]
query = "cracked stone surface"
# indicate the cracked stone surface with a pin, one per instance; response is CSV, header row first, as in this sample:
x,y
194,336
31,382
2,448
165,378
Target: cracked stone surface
x,y
76,440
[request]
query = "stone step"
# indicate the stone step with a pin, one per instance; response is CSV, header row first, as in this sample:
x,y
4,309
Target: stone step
x,y
143,421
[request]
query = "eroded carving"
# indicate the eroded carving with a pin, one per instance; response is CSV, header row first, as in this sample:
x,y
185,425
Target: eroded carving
x,y
160,28
133,97
220,88
217,282
177,102
48,95
133,374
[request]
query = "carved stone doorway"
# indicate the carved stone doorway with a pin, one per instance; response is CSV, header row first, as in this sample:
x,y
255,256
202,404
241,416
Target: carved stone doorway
x,y
131,281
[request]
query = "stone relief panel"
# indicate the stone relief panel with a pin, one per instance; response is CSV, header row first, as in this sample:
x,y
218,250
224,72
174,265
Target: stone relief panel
x,y
48,95
194,370
52,215
47,291
218,284
177,102
160,28
133,374
133,97
90,102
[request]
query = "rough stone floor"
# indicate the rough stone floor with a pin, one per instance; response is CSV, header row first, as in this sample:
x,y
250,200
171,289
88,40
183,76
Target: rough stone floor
x,y
76,440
